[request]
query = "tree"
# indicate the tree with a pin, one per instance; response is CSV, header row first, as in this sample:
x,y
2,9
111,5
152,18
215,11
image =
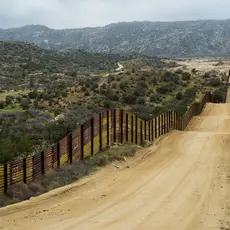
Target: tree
x,y
123,84
166,76
35,104
141,100
110,78
31,84
190,92
194,71
32,94
129,98
179,95
64,94
186,76
215,82
9,100
25,104
218,95
2,104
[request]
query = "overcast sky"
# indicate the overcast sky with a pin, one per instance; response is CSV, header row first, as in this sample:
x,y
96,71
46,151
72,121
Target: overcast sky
x,y
83,13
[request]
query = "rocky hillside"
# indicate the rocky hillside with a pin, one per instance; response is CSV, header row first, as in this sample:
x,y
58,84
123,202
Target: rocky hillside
x,y
169,39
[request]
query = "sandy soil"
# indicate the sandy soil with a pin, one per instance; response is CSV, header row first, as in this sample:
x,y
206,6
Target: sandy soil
x,y
182,182
205,65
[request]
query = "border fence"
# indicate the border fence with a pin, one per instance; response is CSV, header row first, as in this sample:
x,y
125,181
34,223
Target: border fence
x,y
95,135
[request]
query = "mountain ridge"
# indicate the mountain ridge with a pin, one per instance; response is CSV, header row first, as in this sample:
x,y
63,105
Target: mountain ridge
x,y
168,39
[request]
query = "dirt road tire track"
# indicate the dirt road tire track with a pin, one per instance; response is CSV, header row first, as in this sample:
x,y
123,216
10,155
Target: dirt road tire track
x,y
182,182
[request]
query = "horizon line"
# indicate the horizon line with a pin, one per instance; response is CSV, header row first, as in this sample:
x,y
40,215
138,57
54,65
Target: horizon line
x,y
113,23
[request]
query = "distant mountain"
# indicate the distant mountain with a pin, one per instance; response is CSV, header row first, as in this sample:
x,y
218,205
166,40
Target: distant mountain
x,y
169,39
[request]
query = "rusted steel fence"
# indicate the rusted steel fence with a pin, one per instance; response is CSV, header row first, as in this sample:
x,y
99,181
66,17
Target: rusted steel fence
x,y
96,134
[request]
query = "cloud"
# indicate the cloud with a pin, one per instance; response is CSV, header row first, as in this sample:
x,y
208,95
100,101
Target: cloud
x,y
83,13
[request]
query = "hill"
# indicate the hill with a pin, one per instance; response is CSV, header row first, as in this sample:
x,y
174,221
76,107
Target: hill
x,y
44,94
170,39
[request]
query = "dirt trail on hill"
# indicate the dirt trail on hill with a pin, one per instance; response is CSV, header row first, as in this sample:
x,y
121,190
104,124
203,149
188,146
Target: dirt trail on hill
x,y
182,182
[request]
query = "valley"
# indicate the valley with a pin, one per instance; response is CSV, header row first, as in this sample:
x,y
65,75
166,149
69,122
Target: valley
x,y
44,94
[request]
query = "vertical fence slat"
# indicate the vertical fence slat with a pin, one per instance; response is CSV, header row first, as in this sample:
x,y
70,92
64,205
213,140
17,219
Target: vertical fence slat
x,y
159,126
42,162
152,121
150,135
132,129
24,170
108,130
58,154
82,142
155,122
100,130
5,178
70,150
114,125
141,133
135,129
127,127
92,136
121,126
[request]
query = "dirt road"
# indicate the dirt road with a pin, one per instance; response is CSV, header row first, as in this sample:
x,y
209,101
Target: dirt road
x,y
182,182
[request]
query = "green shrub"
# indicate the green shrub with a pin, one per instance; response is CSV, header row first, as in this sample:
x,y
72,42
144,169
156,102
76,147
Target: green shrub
x,y
215,82
219,95
186,76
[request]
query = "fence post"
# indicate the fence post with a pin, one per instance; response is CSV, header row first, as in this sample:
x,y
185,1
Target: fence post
x,y
121,126
82,142
114,125
145,130
166,122
170,119
5,178
162,124
100,130
24,170
150,124
155,119
132,129
141,133
174,120
42,163
152,131
70,148
108,133
127,127
159,126
92,135
58,154
136,129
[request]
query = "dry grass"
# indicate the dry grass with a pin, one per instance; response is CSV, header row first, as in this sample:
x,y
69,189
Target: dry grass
x,y
67,175
206,65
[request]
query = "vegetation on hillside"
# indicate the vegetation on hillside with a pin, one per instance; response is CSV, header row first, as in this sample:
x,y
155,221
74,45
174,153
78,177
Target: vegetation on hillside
x,y
199,38
44,94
